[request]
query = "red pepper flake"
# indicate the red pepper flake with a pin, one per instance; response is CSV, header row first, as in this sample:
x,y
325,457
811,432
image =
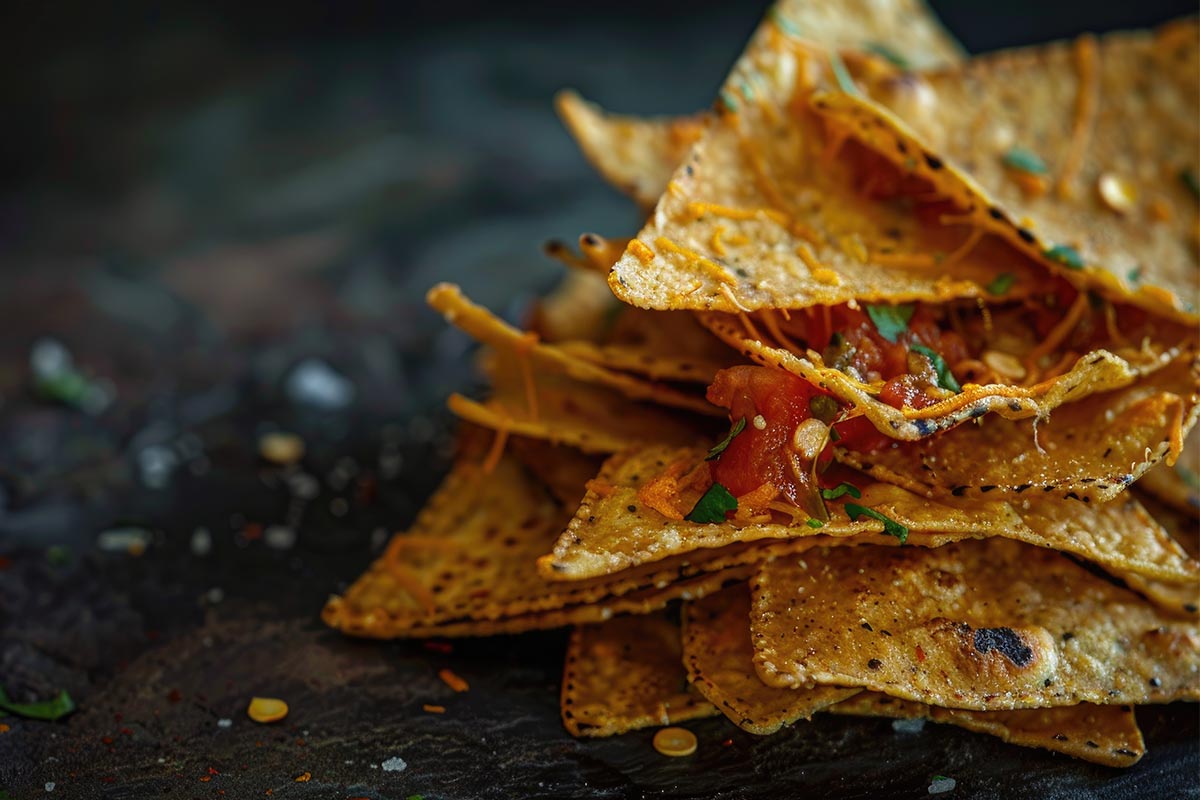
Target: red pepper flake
x,y
304,777
4,728
117,717
205,778
920,653
432,709
212,771
174,696
453,681
126,732
109,779
106,739
439,647
727,743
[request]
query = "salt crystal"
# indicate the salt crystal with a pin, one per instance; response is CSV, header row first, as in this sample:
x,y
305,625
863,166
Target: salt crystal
x,y
394,764
49,786
908,725
224,723
941,785
314,383
279,537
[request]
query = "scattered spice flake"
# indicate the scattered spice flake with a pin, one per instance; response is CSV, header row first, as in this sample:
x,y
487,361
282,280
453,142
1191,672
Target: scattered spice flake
x,y
890,526
720,446
888,54
728,101
1135,275
304,777
432,709
4,728
266,709
1066,255
1023,160
713,505
675,742
1002,283
453,681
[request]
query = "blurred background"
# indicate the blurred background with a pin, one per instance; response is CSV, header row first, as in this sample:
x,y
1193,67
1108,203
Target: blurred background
x,y
218,220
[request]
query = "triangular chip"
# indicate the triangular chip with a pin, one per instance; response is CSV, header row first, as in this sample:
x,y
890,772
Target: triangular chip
x,y
983,625
720,664
1178,484
1082,154
1106,735
627,674
1089,450
615,529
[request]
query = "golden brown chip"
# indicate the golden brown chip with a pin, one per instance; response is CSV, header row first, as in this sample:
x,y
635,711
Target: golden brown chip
x,y
719,658
1178,485
468,561
614,530
764,212
627,674
1082,154
580,308
985,625
1106,735
481,324
1089,450
1098,371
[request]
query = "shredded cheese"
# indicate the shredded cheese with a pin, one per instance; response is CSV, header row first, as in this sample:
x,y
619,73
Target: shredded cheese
x,y
733,300
522,348
750,329
700,209
768,319
820,272
1059,333
713,268
640,251
1086,101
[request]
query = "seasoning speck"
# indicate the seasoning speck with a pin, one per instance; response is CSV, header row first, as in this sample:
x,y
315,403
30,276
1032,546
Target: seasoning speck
x,y
304,777
224,722
908,725
394,764
267,709
1117,193
675,742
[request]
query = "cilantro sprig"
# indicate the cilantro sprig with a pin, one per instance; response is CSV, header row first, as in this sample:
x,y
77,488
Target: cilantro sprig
x,y
720,446
946,378
891,321
1066,255
840,490
1023,160
1002,283
713,505
890,526
56,707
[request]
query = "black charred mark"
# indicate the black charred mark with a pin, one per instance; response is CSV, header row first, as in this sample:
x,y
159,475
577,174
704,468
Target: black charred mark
x,y
1122,751
1190,608
1048,487
977,412
924,427
1061,737
1068,636
933,162
1071,496
958,491
1025,235
1014,406
1090,743
1107,453
1155,682
1047,683
1022,487
989,487
874,663
866,626
1005,640
631,509
995,213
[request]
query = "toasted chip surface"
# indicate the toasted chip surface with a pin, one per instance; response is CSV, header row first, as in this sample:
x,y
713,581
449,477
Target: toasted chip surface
x,y
1106,735
984,625
614,530
1114,125
627,674
719,658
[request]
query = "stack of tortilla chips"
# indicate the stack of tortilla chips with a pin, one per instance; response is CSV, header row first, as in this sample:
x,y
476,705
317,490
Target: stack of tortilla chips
x,y
871,393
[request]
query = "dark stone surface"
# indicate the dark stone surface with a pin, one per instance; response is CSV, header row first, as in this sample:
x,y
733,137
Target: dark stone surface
x,y
200,207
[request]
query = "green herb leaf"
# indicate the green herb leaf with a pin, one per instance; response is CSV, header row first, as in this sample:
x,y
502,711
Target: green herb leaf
x,y
713,506
1066,255
1188,176
841,489
890,526
945,376
55,708
823,407
1002,283
815,523
720,446
891,321
887,53
729,101
845,82
1135,275
1019,158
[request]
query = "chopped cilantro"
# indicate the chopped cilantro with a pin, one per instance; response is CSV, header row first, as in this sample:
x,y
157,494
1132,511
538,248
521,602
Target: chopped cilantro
x,y
783,23
1188,176
1135,275
1066,255
888,53
945,376
713,506
890,321
841,489
720,446
890,526
55,708
1023,160
729,101
815,523
1002,283
845,82
747,91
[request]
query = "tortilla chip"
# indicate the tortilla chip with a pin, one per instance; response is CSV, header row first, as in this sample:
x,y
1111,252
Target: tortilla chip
x,y
470,556
581,307
1178,485
1184,529
482,325
627,674
1121,109
635,155
1106,735
719,657
614,530
984,625
761,215
592,418
1089,450
562,470
1098,371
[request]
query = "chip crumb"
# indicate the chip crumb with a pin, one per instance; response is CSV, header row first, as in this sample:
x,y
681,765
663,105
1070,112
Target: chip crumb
x,y
304,777
940,784
453,681
675,742
432,709
266,709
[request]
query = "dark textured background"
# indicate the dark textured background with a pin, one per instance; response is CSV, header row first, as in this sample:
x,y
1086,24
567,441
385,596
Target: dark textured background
x,y
197,197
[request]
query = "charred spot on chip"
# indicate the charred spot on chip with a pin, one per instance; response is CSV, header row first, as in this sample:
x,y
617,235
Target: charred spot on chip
x,y
1007,642
874,663
1026,236
933,162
